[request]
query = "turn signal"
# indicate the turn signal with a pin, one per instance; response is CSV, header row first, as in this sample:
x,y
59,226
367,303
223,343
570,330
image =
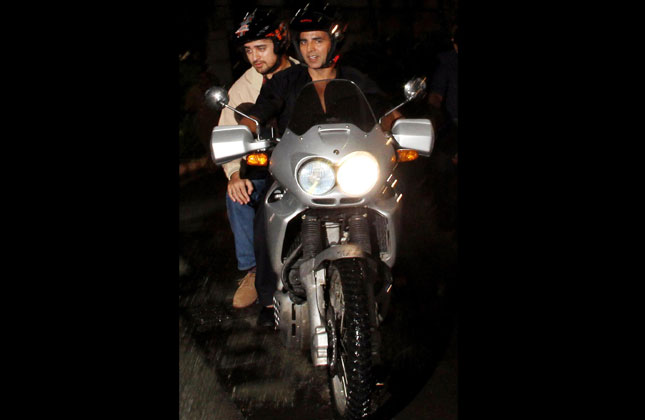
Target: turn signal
x,y
407,155
257,159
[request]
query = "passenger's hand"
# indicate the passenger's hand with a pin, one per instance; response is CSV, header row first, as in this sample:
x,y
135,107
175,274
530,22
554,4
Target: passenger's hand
x,y
239,189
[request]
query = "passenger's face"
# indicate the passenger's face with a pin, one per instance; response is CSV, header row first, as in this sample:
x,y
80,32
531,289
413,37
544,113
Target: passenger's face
x,y
260,54
314,47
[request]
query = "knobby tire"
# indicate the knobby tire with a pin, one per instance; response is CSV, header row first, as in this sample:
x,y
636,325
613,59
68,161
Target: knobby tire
x,y
356,337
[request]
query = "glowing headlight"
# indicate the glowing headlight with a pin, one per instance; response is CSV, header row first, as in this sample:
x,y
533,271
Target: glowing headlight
x,y
358,173
316,176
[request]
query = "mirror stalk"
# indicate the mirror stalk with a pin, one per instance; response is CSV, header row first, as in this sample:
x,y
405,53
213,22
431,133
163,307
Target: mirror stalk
x,y
392,110
412,90
257,123
217,98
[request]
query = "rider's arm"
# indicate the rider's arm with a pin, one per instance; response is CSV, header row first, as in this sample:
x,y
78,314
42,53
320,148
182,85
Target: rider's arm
x,y
268,104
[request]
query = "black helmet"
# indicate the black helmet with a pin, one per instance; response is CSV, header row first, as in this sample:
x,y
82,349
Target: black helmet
x,y
315,17
260,25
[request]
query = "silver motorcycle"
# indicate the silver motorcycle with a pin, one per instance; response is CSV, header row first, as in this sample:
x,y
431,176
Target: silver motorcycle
x,y
332,224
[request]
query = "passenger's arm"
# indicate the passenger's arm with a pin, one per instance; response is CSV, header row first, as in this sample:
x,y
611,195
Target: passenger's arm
x,y
239,189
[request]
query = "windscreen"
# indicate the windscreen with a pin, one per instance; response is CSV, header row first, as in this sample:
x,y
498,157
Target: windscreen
x,y
332,101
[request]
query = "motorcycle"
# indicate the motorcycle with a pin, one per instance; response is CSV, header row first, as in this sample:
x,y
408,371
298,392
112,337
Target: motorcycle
x,y
332,224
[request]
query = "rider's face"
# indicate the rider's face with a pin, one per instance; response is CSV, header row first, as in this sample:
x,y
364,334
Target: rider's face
x,y
314,47
260,54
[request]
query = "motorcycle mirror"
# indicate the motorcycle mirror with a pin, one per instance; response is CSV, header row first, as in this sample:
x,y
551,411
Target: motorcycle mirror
x,y
216,97
414,88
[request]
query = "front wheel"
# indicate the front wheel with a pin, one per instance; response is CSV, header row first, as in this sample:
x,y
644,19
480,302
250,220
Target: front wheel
x,y
350,349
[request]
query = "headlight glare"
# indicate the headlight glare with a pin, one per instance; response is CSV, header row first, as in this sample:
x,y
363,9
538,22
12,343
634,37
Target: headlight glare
x,y
358,173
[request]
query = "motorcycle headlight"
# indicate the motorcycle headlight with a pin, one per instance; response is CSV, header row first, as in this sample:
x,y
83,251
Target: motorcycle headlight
x,y
316,176
358,173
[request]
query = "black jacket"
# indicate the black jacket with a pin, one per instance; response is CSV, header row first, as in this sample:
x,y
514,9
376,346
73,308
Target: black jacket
x,y
278,95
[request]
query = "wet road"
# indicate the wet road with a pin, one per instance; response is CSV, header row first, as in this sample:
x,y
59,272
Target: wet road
x,y
230,369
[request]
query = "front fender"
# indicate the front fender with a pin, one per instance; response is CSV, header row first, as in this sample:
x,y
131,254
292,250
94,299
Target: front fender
x,y
330,254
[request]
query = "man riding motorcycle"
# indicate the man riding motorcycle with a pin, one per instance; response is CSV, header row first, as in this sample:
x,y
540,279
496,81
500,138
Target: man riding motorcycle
x,y
318,34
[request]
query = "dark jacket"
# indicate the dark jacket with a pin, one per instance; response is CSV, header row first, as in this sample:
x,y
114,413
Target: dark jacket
x,y
278,96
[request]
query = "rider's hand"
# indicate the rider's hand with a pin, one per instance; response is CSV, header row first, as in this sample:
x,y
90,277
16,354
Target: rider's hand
x,y
388,121
239,189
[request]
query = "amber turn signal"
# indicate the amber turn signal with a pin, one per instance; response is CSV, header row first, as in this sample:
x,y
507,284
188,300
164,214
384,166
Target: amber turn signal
x,y
257,159
407,155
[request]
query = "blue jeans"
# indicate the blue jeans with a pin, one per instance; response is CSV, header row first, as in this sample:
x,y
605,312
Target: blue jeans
x,y
241,218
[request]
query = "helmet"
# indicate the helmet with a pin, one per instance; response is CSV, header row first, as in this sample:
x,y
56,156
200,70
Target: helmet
x,y
260,25
314,17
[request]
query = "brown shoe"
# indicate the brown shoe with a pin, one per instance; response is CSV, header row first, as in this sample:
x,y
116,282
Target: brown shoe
x,y
245,294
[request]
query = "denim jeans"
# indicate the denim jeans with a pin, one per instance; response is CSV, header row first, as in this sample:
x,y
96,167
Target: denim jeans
x,y
265,278
241,218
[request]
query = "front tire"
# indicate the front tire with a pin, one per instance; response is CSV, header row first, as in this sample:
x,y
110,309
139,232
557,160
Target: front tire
x,y
350,347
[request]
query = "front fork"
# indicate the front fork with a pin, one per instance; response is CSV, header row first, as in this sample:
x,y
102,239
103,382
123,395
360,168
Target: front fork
x,y
313,279
303,325
313,274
